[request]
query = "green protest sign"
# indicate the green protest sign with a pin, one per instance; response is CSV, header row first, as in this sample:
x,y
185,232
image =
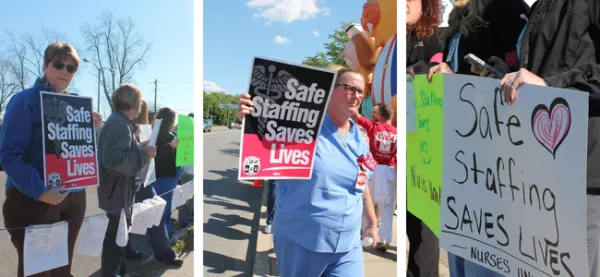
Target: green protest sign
x,y
185,133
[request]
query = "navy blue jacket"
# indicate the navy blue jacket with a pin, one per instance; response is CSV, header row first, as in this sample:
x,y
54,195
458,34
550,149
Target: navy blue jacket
x,y
21,150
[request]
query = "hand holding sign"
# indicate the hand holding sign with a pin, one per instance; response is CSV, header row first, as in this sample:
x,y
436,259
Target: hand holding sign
x,y
245,107
97,118
512,81
53,196
150,151
174,143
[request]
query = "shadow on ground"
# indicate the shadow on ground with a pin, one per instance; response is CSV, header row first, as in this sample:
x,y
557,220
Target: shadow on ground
x,y
224,192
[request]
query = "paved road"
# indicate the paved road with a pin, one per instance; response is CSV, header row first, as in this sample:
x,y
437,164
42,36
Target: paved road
x,y
231,208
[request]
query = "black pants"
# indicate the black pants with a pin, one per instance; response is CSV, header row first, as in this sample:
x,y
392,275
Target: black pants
x,y
20,210
424,253
114,257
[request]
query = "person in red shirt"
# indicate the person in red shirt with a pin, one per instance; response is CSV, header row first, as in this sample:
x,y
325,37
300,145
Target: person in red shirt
x,y
375,115
383,144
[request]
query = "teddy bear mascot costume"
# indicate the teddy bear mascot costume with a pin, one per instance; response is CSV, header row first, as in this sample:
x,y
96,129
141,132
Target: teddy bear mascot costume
x,y
360,54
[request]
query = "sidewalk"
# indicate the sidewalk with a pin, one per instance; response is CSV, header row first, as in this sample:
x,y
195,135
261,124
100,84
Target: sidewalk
x,y
265,262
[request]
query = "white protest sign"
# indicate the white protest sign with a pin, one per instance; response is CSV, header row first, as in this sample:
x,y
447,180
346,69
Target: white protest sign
x,y
514,178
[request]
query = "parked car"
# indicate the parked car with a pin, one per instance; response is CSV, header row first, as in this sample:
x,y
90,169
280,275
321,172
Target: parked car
x,y
207,125
234,125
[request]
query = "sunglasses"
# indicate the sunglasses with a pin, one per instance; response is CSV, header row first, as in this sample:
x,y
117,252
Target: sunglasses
x,y
352,89
70,67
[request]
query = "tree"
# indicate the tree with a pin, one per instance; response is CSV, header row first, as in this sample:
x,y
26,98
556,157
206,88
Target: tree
x,y
117,49
7,85
333,49
27,55
212,111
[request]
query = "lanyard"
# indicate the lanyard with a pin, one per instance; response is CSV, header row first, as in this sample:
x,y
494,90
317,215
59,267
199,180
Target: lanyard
x,y
453,52
520,42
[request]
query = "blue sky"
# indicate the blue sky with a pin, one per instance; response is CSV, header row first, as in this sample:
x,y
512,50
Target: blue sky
x,y
168,25
235,31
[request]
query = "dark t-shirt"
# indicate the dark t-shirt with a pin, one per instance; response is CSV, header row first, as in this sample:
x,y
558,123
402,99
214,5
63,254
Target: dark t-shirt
x,y
421,50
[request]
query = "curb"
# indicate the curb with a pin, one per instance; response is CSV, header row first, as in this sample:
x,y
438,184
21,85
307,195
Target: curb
x,y
265,264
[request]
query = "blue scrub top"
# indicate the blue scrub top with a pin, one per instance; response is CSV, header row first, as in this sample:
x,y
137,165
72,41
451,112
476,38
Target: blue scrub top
x,y
324,214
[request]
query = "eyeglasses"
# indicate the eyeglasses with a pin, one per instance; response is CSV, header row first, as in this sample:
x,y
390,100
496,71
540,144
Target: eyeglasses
x,y
70,67
352,90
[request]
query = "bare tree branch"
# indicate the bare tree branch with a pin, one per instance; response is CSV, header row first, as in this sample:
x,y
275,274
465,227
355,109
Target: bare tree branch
x,y
7,85
117,50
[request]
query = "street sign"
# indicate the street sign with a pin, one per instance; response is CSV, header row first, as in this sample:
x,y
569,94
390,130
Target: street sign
x,y
228,106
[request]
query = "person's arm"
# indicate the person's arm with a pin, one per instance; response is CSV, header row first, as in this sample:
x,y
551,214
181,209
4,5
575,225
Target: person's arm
x,y
15,142
585,77
368,209
117,155
363,121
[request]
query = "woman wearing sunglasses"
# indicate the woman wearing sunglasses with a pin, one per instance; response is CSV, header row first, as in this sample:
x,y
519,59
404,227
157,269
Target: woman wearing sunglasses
x,y
28,201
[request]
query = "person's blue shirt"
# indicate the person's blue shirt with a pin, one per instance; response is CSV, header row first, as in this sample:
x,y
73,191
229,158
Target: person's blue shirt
x,y
324,214
21,150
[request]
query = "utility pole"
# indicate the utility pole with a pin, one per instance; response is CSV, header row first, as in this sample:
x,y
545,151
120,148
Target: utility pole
x,y
155,93
98,109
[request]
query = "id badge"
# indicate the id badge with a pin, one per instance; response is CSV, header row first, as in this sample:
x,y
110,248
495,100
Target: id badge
x,y
361,180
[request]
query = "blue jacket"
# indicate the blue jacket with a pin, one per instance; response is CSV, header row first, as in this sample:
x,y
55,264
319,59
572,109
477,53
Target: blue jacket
x,y
21,150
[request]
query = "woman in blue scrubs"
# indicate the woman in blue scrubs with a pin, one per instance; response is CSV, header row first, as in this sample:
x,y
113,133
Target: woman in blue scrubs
x,y
318,221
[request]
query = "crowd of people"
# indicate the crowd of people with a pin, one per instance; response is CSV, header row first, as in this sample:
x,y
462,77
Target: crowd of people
x,y
121,157
552,43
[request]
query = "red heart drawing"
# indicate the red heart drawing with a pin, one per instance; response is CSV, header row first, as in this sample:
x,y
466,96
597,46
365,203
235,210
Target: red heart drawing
x,y
551,126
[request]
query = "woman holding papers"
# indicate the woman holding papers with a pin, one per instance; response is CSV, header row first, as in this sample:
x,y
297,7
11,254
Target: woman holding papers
x,y
318,221
120,158
166,170
159,239
28,200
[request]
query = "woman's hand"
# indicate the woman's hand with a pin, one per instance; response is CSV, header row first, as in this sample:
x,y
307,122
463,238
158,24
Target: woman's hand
x,y
150,150
440,68
53,196
372,232
511,83
497,63
174,143
419,67
245,106
97,119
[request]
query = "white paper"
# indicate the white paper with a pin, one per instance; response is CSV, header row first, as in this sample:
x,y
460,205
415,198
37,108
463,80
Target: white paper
x,y
142,217
150,173
123,231
509,200
159,208
92,235
179,197
145,132
154,135
45,247
411,121
189,189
